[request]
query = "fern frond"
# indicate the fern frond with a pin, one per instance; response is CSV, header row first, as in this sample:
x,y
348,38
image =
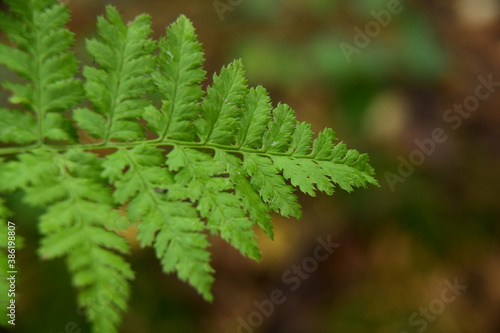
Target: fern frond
x,y
221,162
257,210
279,134
221,107
117,88
260,154
77,225
42,58
173,225
201,179
178,78
256,116
17,126
274,191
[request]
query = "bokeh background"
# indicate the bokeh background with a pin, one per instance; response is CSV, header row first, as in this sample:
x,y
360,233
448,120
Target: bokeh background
x,y
397,246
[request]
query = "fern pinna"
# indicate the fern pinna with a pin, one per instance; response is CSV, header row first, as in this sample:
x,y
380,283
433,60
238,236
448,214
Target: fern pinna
x,y
188,163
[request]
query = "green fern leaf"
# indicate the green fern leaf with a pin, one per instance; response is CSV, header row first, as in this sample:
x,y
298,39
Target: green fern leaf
x,y
201,179
117,88
256,116
173,225
277,138
18,127
42,57
76,225
221,107
271,186
257,210
221,161
301,139
178,78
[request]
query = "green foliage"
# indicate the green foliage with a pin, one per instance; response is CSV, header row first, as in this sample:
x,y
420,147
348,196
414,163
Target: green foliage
x,y
43,59
116,88
215,162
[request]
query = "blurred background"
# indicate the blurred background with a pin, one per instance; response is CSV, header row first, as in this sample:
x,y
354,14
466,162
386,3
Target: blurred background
x,y
380,92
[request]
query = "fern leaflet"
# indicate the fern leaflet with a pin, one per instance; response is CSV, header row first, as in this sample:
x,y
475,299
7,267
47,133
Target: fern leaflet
x,y
43,59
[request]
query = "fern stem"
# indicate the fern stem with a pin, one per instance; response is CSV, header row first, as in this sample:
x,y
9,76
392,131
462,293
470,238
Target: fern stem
x,y
153,143
21,149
